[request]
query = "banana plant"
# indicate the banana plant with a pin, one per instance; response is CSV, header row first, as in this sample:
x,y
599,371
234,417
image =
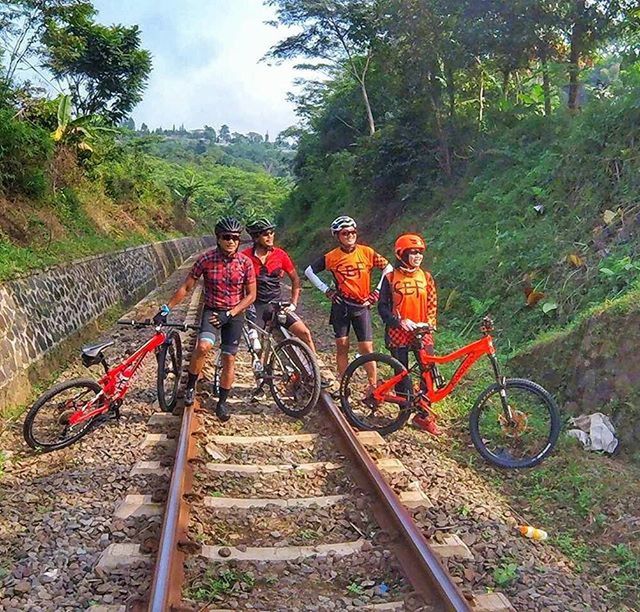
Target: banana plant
x,y
79,131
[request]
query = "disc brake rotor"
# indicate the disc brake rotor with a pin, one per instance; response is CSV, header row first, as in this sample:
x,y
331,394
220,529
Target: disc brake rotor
x,y
514,426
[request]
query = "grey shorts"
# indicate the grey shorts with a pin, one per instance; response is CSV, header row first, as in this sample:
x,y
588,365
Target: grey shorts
x,y
228,336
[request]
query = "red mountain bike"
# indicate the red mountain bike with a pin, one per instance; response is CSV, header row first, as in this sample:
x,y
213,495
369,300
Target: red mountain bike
x,y
71,409
514,423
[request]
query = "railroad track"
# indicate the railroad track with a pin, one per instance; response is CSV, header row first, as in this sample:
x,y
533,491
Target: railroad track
x,y
262,515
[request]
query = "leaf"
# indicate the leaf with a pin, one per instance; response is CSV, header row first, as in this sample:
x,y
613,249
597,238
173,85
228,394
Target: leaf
x,y
607,272
609,216
64,110
575,260
451,298
547,307
534,297
58,134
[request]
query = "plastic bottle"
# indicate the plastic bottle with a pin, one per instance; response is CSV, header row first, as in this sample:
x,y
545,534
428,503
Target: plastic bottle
x,y
532,532
255,341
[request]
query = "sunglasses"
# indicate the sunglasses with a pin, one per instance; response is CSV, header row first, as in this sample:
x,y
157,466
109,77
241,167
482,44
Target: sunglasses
x,y
346,233
414,252
267,233
229,237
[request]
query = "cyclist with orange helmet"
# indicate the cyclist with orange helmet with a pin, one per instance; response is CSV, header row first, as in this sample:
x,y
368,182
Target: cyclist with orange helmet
x,y
408,297
351,265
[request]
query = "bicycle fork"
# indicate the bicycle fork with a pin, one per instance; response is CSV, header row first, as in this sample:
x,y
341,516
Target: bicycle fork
x,y
502,384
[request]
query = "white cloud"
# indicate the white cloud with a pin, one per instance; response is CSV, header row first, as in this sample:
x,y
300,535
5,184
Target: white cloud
x,y
206,63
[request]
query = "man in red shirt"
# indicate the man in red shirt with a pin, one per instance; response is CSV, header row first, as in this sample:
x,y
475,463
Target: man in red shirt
x,y
270,264
229,289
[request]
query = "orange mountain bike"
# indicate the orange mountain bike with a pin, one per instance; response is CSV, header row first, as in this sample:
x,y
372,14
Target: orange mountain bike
x,y
514,423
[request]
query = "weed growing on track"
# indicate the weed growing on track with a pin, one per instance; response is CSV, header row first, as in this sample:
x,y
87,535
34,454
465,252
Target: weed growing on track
x,y
355,589
213,586
505,573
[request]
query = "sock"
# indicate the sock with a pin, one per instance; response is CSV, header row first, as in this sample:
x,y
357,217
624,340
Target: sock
x,y
191,381
223,394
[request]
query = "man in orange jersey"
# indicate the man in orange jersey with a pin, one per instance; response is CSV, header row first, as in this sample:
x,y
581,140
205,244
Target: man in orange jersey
x,y
351,265
408,297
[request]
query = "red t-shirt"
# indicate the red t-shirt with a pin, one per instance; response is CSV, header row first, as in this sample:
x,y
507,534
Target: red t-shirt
x,y
269,273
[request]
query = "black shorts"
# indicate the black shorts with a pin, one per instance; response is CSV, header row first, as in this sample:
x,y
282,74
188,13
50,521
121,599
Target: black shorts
x,y
261,312
344,316
229,334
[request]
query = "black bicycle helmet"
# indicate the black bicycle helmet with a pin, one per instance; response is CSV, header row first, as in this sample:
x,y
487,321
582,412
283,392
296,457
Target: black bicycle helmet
x,y
228,224
260,225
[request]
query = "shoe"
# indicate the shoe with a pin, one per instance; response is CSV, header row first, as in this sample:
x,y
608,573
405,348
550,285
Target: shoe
x,y
222,412
189,396
427,423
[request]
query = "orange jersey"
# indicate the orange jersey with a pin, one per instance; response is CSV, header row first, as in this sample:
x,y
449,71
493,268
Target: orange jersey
x,y
407,295
351,270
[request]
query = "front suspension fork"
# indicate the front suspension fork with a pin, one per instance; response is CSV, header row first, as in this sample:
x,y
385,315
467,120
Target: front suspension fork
x,y
502,384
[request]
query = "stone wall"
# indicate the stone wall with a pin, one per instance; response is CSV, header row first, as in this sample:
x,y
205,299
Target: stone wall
x,y
40,311
593,368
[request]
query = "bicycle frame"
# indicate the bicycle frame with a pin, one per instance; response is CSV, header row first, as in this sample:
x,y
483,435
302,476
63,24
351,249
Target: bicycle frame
x,y
469,355
115,383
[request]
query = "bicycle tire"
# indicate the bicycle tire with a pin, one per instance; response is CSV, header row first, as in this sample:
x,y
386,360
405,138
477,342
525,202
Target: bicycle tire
x,y
345,395
292,348
500,459
31,438
172,350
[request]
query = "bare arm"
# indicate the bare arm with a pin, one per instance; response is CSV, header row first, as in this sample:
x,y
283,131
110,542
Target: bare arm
x,y
182,291
295,286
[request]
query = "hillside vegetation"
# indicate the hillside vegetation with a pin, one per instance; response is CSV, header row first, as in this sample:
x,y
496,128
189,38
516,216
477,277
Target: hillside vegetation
x,y
76,178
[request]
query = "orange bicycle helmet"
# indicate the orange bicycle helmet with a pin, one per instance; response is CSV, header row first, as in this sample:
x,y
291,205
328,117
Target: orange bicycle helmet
x,y
409,241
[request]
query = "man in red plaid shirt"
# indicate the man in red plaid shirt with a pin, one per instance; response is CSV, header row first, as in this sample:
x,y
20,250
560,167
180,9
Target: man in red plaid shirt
x,y
229,289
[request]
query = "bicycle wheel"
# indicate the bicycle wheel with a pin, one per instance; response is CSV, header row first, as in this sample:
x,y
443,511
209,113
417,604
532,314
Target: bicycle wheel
x,y
169,372
526,438
294,377
361,410
46,426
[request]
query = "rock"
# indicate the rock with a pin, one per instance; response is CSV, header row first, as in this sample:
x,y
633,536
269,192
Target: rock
x,y
225,551
24,586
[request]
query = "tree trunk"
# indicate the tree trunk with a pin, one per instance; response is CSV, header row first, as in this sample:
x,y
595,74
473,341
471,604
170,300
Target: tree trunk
x,y
546,85
505,82
367,104
451,93
480,95
575,53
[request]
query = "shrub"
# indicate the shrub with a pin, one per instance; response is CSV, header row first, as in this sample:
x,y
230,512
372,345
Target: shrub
x,y
25,151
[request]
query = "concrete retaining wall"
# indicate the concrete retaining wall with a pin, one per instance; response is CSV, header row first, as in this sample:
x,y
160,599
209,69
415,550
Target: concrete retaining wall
x,y
40,311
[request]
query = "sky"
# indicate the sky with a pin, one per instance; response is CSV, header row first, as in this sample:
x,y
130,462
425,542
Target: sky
x,y
206,67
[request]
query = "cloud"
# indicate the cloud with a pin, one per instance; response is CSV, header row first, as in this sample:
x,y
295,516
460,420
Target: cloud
x,y
206,63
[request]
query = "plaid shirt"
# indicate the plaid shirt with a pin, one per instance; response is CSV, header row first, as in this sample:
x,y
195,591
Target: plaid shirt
x,y
226,279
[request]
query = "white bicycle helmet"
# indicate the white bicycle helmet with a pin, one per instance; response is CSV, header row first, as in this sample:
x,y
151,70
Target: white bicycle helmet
x,y
341,223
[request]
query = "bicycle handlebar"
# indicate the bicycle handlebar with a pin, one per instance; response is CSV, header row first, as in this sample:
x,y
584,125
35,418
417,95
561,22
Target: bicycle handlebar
x,y
150,323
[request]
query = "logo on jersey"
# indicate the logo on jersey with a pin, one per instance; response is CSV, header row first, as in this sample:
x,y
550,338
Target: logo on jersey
x,y
350,270
409,287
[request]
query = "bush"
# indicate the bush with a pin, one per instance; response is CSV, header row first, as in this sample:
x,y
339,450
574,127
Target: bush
x,y
25,151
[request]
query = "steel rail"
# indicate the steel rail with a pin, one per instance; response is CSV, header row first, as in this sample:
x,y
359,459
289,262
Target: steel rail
x,y
166,590
421,565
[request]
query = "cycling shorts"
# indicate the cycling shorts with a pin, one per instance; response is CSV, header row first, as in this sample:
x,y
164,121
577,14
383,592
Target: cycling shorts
x,y
261,312
344,316
229,334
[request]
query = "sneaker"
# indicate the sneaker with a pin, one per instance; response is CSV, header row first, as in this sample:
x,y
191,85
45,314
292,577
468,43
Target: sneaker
x,y
427,423
189,396
222,412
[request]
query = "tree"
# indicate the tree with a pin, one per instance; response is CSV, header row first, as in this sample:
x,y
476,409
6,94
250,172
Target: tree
x,y
210,134
103,67
334,33
224,133
22,25
144,128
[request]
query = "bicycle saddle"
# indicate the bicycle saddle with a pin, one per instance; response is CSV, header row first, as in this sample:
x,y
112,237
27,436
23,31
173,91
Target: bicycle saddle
x,y
93,350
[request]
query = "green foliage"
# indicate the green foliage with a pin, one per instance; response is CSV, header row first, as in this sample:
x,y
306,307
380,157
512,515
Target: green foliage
x,y
103,67
505,573
212,586
24,152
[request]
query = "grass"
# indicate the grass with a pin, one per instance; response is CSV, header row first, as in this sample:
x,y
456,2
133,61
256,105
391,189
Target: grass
x,y
212,587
